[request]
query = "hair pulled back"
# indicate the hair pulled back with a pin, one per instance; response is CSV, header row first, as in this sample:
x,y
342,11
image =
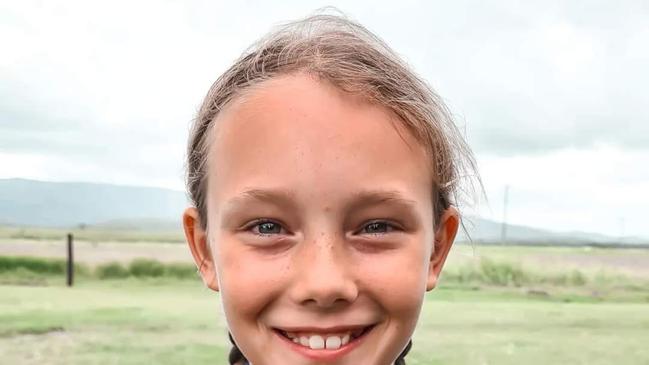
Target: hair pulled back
x,y
347,55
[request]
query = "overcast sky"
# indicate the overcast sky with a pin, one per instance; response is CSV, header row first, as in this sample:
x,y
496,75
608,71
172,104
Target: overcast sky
x,y
552,97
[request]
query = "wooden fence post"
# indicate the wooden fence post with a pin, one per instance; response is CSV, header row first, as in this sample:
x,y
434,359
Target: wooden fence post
x,y
70,271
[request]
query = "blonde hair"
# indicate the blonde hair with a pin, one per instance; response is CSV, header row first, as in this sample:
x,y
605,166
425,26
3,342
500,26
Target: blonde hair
x,y
349,56
346,54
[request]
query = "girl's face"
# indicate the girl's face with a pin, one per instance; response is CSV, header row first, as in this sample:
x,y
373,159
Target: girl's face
x,y
320,226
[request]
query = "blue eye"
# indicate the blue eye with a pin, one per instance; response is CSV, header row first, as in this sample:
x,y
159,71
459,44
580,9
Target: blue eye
x,y
265,227
378,227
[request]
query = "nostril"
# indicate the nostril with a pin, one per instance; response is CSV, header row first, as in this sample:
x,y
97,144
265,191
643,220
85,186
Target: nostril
x,y
323,278
326,302
324,295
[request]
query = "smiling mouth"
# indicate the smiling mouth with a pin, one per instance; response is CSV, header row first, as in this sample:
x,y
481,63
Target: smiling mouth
x,y
325,341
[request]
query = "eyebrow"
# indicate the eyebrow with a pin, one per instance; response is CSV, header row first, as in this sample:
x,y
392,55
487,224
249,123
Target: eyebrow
x,y
287,198
277,196
375,197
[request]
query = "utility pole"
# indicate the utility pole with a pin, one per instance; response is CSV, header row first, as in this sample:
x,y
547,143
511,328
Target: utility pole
x,y
503,231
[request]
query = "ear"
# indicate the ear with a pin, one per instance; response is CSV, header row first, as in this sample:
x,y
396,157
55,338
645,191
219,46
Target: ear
x,y
444,237
199,246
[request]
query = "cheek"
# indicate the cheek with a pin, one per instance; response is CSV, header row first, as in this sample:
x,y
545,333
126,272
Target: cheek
x,y
397,280
247,282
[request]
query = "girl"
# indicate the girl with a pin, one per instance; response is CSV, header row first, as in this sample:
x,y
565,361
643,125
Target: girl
x,y
323,174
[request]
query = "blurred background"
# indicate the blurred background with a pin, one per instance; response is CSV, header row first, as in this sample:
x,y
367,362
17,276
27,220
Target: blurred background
x,y
96,100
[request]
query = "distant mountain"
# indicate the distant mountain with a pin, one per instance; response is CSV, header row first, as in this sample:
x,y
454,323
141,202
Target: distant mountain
x,y
483,230
141,224
63,204
114,207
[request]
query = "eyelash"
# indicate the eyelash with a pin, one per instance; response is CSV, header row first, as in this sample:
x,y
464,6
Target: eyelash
x,y
389,226
258,222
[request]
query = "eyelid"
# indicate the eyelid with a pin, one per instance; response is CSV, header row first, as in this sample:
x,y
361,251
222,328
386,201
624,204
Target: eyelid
x,y
255,222
391,224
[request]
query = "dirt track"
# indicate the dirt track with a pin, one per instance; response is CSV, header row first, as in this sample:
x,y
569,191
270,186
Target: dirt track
x,y
629,262
97,253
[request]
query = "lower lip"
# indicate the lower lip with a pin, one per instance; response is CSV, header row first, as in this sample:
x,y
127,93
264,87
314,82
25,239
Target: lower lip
x,y
324,355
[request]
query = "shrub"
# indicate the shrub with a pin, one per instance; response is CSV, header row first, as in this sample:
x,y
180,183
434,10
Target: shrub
x,y
146,268
38,265
181,271
577,278
112,270
33,264
503,274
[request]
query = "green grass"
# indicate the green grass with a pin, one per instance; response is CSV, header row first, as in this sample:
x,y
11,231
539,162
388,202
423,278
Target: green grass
x,y
42,271
483,274
110,322
484,330
36,265
499,305
490,272
164,321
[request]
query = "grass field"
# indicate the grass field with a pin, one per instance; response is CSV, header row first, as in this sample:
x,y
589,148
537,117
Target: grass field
x,y
178,322
495,305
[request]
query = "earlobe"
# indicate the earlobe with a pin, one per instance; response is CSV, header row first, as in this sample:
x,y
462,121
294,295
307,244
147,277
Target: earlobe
x,y
198,244
444,238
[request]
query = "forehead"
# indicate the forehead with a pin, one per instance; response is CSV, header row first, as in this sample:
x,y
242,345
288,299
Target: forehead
x,y
298,133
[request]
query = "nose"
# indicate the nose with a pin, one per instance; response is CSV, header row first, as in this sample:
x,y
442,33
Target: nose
x,y
324,277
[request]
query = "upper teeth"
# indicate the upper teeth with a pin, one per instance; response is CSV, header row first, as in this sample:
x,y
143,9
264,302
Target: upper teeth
x,y
318,342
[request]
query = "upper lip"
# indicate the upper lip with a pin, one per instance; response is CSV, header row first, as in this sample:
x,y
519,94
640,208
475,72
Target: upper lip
x,y
331,329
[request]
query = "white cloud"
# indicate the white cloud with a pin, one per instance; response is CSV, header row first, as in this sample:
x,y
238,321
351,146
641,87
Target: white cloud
x,y
552,94
571,190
